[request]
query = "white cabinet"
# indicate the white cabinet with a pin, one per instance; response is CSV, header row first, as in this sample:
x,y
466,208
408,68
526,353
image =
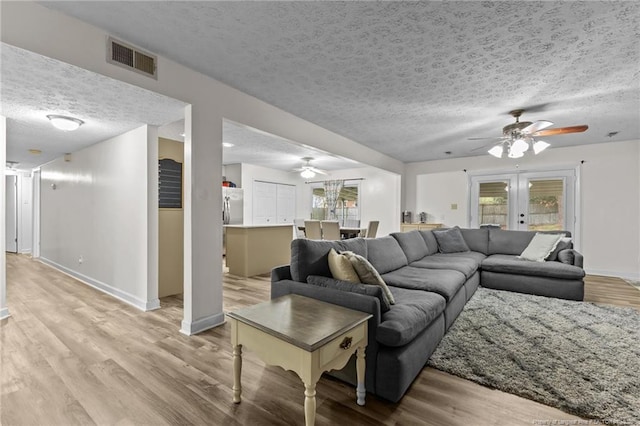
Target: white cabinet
x,y
273,203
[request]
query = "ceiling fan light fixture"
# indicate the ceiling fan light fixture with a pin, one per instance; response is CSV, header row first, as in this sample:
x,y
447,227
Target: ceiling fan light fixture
x,y
515,154
540,146
307,174
497,151
64,123
520,145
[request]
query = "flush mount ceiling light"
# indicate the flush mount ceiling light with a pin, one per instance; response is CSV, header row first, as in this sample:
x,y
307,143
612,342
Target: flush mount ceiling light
x,y
65,123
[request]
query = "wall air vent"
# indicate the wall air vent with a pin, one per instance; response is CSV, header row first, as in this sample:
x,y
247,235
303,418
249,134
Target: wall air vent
x,y
127,56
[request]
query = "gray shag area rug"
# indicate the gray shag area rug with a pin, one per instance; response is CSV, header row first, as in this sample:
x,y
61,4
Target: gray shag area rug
x,y
579,357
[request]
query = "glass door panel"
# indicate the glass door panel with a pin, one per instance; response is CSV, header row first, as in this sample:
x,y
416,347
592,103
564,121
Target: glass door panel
x,y
493,204
546,205
546,201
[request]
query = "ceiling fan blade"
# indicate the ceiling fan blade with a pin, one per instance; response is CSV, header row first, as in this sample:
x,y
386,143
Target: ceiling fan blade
x,y
486,139
483,147
322,172
561,130
537,126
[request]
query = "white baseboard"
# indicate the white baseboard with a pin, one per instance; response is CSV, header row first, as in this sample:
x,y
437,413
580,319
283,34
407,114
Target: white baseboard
x,y
606,273
202,324
4,313
128,298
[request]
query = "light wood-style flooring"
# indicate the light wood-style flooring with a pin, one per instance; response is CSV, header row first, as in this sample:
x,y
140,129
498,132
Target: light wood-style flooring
x,y
71,355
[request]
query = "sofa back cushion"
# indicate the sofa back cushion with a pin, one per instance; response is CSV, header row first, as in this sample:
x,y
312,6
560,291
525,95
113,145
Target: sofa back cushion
x,y
450,240
385,254
508,242
476,239
310,257
430,239
513,242
412,244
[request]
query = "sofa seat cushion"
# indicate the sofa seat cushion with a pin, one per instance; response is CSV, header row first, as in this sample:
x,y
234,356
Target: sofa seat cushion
x,y
474,255
509,264
413,312
445,282
465,265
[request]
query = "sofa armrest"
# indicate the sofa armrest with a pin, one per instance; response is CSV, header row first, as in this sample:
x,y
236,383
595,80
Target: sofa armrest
x,y
356,301
571,257
280,273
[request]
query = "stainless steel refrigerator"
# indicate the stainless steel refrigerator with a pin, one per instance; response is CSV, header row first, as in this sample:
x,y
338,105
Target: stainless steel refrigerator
x,y
232,205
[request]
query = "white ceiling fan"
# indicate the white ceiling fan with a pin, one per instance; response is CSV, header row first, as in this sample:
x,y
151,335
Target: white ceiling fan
x,y
519,137
307,171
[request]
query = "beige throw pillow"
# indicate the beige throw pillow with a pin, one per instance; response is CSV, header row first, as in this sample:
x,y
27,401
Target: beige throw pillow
x,y
341,267
541,246
368,274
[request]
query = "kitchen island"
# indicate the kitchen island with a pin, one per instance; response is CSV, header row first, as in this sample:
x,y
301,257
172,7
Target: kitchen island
x,y
256,249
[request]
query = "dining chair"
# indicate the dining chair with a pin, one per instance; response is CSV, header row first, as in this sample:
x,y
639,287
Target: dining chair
x,y
372,229
330,230
312,229
352,223
299,223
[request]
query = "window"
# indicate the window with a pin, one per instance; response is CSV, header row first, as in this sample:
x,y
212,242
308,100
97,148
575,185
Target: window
x,y
347,207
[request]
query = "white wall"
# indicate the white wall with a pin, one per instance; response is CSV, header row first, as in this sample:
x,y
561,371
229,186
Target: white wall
x,y
609,192
251,173
95,216
435,198
379,196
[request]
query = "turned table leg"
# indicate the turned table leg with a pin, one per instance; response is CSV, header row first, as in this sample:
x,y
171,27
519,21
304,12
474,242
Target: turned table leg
x,y
237,372
360,367
309,404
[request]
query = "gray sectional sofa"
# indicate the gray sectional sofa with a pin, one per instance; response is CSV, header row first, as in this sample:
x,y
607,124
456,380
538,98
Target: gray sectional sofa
x,y
430,289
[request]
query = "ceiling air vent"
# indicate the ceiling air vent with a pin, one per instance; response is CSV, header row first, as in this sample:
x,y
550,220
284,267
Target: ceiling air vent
x,y
127,56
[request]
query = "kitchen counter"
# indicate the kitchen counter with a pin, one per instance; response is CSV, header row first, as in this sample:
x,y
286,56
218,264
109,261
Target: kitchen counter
x,y
256,249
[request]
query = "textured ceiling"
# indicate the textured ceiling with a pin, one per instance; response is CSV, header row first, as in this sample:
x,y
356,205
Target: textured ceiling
x,y
409,79
34,86
263,149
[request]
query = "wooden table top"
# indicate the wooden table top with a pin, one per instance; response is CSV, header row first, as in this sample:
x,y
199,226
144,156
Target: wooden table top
x,y
302,321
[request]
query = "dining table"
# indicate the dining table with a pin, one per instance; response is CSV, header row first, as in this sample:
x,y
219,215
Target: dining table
x,y
345,231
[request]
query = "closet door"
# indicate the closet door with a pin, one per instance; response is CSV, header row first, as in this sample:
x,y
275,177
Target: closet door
x,y
286,203
264,203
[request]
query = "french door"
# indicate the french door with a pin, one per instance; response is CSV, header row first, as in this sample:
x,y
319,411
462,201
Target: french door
x,y
528,201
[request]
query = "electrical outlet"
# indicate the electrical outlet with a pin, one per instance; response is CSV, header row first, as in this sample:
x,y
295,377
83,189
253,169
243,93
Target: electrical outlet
x,y
80,260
